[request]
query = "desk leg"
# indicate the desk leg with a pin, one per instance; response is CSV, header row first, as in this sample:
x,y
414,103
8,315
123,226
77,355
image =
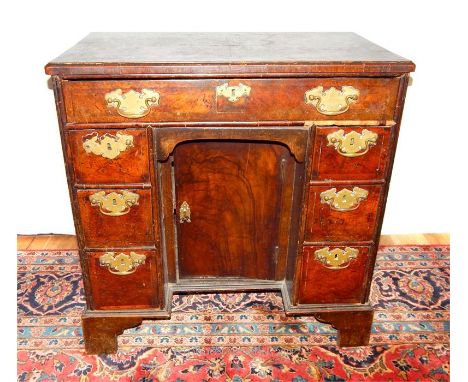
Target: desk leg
x,y
100,333
354,328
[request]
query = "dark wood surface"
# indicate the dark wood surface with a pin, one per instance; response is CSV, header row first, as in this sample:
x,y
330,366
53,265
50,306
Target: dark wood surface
x,y
135,229
234,190
130,166
252,171
196,100
111,291
328,164
354,327
100,333
163,53
225,47
320,285
327,224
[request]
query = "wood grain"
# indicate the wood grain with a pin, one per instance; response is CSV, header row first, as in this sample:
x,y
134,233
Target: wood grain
x,y
254,196
130,166
354,327
111,291
262,54
328,164
327,224
321,285
234,190
196,100
134,229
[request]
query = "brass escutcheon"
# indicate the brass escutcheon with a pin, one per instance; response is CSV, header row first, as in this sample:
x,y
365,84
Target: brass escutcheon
x,y
336,258
132,104
121,264
184,213
352,144
233,93
331,101
114,203
344,200
108,146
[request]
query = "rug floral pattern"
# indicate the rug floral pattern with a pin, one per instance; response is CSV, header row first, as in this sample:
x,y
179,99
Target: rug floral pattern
x,y
239,337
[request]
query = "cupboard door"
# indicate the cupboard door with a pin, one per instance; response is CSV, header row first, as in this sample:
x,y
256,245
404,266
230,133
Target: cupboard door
x,y
228,205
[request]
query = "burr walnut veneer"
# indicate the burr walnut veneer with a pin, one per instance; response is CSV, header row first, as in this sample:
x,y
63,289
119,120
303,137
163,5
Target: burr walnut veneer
x,y
228,162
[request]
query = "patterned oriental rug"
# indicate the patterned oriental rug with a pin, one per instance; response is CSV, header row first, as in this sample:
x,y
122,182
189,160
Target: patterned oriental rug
x,y
240,337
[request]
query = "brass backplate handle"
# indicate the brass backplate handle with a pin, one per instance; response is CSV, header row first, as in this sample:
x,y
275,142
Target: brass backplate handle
x,y
331,101
114,203
132,104
121,264
233,93
184,213
344,200
108,146
336,258
353,144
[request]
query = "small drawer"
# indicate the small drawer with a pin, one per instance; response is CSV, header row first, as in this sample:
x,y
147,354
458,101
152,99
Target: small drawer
x,y
342,153
333,274
287,99
109,156
125,279
342,212
116,217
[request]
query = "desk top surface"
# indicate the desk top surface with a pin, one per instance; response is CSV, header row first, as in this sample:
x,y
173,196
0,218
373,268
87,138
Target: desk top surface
x,y
224,48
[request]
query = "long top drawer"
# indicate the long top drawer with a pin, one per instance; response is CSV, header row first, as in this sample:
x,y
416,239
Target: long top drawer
x,y
299,99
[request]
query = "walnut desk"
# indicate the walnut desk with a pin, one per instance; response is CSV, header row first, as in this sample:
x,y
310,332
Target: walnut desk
x,y
228,162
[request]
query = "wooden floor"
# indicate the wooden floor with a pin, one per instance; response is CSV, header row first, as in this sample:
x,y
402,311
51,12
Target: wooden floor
x,y
45,242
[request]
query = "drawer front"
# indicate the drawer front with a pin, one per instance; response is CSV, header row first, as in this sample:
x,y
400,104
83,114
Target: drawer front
x,y
342,212
338,99
350,153
125,279
116,217
333,274
110,156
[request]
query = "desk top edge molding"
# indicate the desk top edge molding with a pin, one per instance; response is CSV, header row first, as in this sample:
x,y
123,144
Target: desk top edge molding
x,y
218,54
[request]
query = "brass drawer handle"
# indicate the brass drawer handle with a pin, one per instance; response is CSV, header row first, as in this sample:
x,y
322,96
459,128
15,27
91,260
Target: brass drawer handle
x,y
233,93
132,104
336,258
331,101
344,200
108,146
121,264
184,213
114,203
352,144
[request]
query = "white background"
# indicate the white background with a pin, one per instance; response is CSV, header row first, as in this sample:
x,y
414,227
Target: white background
x,y
428,190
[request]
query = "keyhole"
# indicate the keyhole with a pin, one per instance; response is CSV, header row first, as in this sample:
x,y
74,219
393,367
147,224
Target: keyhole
x,y
114,202
109,146
351,142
